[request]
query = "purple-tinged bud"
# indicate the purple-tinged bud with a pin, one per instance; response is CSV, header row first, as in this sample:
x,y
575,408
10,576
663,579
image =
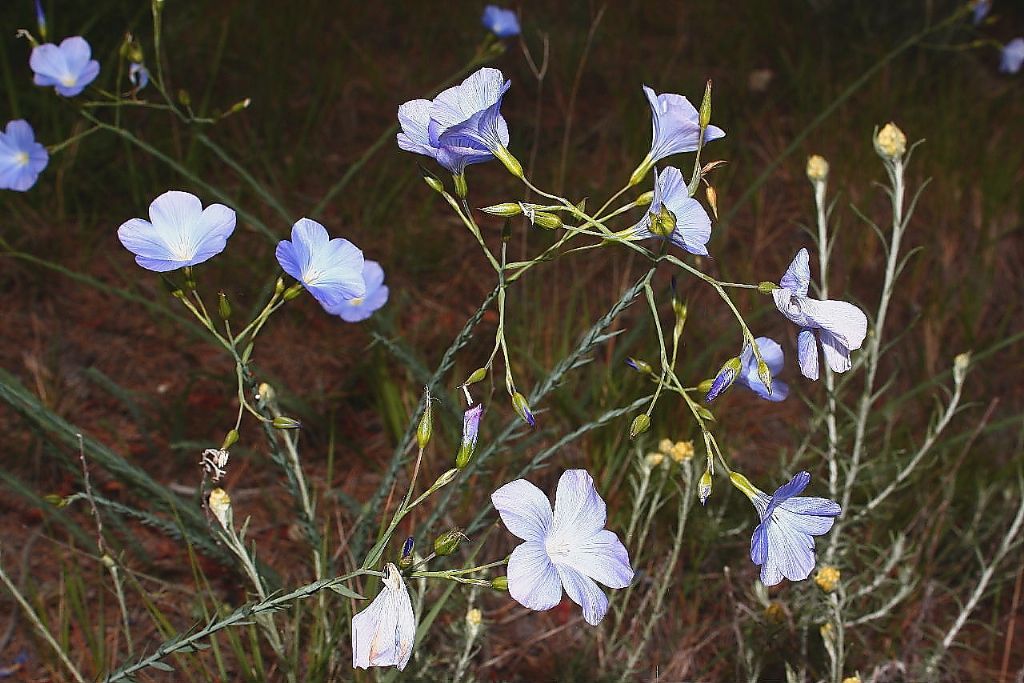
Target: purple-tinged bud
x,y
522,409
724,379
643,367
41,20
470,429
704,487
405,561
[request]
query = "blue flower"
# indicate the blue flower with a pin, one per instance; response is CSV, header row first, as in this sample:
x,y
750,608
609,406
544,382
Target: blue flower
x,y
783,543
773,358
501,22
840,327
675,215
676,125
360,308
138,76
68,67
463,125
981,10
179,232
1012,56
330,269
22,159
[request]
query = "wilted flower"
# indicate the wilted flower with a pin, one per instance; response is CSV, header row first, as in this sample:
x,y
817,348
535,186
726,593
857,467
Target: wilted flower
x,y
676,125
68,67
675,215
220,506
361,308
891,142
214,462
138,76
501,22
817,168
1012,56
470,431
383,634
783,543
179,232
773,358
330,269
463,125
569,548
22,159
827,578
839,326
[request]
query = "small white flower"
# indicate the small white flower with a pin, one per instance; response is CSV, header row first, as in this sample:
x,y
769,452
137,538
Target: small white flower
x,y
383,634
569,548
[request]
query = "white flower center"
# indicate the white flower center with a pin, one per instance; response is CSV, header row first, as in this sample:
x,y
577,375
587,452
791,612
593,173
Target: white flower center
x,y
311,275
21,159
557,548
68,81
358,301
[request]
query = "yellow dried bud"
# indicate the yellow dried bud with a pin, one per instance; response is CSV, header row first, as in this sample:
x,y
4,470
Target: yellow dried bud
x,y
827,578
817,168
682,451
474,617
652,460
665,446
891,142
851,679
220,506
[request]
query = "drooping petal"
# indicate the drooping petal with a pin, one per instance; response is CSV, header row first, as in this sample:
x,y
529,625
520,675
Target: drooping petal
x,y
807,354
793,487
837,356
810,524
533,581
524,509
693,226
790,551
579,510
843,319
759,545
584,592
676,125
797,277
384,633
603,558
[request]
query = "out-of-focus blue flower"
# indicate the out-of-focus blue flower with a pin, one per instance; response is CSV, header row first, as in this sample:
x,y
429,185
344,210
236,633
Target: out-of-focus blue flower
x,y
40,20
463,125
675,215
1012,56
179,232
783,543
68,67
568,548
774,359
138,76
676,125
840,327
981,10
330,269
22,159
360,308
501,22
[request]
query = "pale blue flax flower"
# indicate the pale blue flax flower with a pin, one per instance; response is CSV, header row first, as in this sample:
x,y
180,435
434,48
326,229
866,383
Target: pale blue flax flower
x,y
138,76
330,269
839,327
568,548
179,232
68,67
22,159
980,10
463,125
675,215
773,357
1012,57
676,125
501,22
360,308
384,633
783,543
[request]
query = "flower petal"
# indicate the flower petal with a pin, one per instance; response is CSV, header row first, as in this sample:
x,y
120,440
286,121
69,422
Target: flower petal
x,y
533,581
173,212
524,509
793,487
843,319
809,524
478,92
414,116
807,354
603,558
797,277
47,61
210,232
579,510
759,545
789,551
837,356
584,592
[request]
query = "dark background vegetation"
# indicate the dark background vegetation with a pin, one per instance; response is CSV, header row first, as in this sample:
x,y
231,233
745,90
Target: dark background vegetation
x,y
325,79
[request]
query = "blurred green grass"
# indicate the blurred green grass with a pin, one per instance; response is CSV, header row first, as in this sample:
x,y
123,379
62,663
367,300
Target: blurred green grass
x,y
326,80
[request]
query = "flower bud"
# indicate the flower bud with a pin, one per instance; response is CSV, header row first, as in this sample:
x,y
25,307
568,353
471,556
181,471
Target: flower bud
x,y
500,583
723,380
265,393
283,422
705,386
229,439
653,460
817,168
506,209
220,506
470,430
279,286
241,105
223,306
548,221
478,376
960,365
767,287
55,500
473,620
665,446
445,479
448,542
405,561
426,426
645,199
705,414
663,222
293,291
681,452
827,578
522,409
712,197
890,142
704,487
461,188
765,375
643,367
184,98
641,423
510,162
705,106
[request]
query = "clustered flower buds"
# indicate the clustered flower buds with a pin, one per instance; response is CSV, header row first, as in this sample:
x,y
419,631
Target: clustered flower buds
x,y
891,142
817,169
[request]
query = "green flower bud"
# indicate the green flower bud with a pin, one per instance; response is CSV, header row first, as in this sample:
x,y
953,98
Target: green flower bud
x,y
705,386
705,107
510,162
461,188
506,209
960,365
767,287
229,439
500,583
223,306
293,291
641,423
765,375
279,286
448,542
478,376
184,99
426,426
282,422
522,409
548,221
645,199
704,487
